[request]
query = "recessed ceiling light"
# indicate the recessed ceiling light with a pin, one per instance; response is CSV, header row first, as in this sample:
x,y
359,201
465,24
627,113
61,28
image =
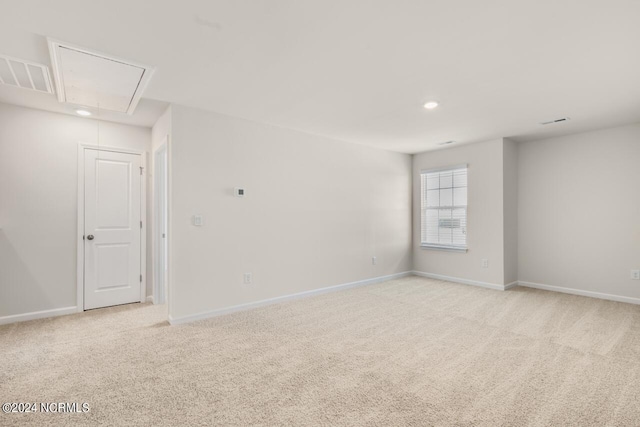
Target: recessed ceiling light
x,y
430,105
83,113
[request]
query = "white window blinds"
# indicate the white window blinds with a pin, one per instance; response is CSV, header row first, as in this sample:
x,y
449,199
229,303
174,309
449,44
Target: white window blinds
x,y
444,208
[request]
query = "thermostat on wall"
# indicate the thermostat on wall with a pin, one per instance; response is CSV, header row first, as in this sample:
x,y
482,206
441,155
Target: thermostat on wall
x,y
239,192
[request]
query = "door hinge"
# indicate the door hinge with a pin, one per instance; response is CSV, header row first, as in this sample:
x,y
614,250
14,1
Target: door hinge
x,y
141,278
141,169
140,224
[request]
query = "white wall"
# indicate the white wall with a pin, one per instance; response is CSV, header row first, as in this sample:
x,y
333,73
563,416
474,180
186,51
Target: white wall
x,y
315,212
161,129
38,203
485,233
561,212
579,211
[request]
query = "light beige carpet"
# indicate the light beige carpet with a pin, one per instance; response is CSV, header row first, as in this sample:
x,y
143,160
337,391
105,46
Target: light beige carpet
x,y
412,351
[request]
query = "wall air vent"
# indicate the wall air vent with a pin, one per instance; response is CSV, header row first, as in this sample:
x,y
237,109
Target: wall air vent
x,y
25,74
93,79
564,119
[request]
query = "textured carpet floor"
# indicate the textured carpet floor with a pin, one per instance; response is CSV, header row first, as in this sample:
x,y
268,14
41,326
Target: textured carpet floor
x,y
411,351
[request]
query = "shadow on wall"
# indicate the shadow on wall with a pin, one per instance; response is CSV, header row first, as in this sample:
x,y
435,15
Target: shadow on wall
x,y
16,280
406,259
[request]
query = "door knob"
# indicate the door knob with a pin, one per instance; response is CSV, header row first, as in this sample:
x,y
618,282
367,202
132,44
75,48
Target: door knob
x,y
90,237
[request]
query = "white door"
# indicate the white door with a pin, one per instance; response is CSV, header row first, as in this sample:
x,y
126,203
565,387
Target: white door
x,y
112,228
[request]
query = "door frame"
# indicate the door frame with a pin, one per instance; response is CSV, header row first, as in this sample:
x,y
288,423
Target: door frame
x,y
80,230
160,287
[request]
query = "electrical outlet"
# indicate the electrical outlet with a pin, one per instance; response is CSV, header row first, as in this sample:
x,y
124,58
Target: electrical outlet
x,y
635,274
374,260
485,263
248,278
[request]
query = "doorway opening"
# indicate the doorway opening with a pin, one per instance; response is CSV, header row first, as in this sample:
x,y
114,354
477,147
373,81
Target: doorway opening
x,y
161,250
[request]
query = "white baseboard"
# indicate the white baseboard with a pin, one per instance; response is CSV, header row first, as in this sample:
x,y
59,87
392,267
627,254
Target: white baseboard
x,y
580,292
465,281
510,285
262,303
591,294
37,315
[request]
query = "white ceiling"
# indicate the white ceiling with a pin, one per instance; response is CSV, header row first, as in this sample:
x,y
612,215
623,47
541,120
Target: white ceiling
x,y
360,70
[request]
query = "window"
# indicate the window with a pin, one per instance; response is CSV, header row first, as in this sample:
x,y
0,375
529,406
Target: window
x,y
444,208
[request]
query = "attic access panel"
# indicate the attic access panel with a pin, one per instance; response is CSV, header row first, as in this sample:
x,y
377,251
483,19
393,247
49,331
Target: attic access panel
x,y
93,79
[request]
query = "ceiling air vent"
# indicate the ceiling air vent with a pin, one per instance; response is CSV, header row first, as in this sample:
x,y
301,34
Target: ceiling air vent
x,y
93,79
25,74
564,119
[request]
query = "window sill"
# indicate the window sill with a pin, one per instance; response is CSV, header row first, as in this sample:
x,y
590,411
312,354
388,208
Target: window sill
x,y
444,248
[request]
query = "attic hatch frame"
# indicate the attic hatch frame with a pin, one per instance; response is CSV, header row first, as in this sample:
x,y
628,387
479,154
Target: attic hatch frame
x,y
55,47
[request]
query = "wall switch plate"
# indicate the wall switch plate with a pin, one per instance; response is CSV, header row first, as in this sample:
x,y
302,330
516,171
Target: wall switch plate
x,y
485,263
248,278
635,274
198,221
374,260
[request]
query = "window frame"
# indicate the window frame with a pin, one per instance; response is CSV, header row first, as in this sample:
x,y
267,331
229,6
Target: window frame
x,y
423,210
